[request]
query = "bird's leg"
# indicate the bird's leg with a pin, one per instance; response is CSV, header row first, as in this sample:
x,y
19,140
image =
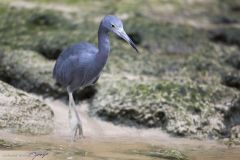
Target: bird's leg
x,y
79,124
75,121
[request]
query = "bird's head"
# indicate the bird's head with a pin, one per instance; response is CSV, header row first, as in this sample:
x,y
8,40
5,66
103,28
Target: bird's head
x,y
115,25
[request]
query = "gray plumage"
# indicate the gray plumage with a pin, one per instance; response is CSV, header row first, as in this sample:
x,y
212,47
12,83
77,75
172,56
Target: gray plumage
x,y
80,64
73,68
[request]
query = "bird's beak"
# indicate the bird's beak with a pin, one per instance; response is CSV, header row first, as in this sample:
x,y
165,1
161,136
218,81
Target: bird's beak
x,y
121,33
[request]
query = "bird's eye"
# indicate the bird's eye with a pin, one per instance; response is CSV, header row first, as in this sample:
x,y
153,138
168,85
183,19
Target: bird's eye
x,y
113,26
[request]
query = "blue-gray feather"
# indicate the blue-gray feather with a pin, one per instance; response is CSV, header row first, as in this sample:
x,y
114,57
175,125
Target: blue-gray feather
x,y
72,66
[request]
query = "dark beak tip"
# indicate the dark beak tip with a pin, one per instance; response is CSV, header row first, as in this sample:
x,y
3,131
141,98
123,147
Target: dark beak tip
x,y
128,40
137,51
134,46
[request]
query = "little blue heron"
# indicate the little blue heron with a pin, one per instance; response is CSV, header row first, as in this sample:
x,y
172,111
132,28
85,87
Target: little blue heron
x,y
80,65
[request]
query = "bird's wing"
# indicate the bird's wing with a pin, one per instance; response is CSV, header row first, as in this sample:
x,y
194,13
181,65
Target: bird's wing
x,y
79,48
64,73
73,61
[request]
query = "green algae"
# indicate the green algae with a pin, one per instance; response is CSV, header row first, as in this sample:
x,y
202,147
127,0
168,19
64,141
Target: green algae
x,y
170,154
166,104
163,153
46,32
8,145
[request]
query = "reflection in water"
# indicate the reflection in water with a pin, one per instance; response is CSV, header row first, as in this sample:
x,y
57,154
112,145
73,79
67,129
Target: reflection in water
x,y
107,141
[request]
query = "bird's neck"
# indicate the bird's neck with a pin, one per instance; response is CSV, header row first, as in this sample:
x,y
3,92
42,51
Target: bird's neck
x,y
103,41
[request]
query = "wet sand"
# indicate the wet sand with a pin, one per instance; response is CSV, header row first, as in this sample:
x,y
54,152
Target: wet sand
x,y
104,140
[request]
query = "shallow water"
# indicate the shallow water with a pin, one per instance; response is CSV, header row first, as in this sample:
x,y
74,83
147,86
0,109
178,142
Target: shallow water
x,y
106,141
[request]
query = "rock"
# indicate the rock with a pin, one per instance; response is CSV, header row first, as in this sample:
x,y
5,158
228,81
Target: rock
x,y
22,113
32,72
164,153
232,115
229,35
47,18
228,12
170,154
46,32
232,122
234,60
40,33
29,71
166,37
51,46
235,135
231,5
8,145
231,80
223,19
182,109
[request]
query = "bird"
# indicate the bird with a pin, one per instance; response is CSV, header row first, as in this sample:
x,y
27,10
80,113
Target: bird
x,y
81,64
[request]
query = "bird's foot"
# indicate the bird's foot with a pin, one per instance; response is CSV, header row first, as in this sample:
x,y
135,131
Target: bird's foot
x,y
77,132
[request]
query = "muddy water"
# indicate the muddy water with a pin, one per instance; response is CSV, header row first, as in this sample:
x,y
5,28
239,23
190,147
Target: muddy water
x,y
105,141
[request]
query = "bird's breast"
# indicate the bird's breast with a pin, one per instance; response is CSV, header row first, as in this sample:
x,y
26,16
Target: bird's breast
x,y
101,60
96,67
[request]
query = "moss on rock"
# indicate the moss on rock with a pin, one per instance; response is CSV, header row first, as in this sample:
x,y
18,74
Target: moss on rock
x,y
29,71
166,37
170,154
231,79
165,153
226,12
183,109
33,73
45,32
228,35
234,60
7,145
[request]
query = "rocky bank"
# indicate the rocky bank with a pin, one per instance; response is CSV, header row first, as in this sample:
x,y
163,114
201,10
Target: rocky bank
x,y
185,81
22,113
